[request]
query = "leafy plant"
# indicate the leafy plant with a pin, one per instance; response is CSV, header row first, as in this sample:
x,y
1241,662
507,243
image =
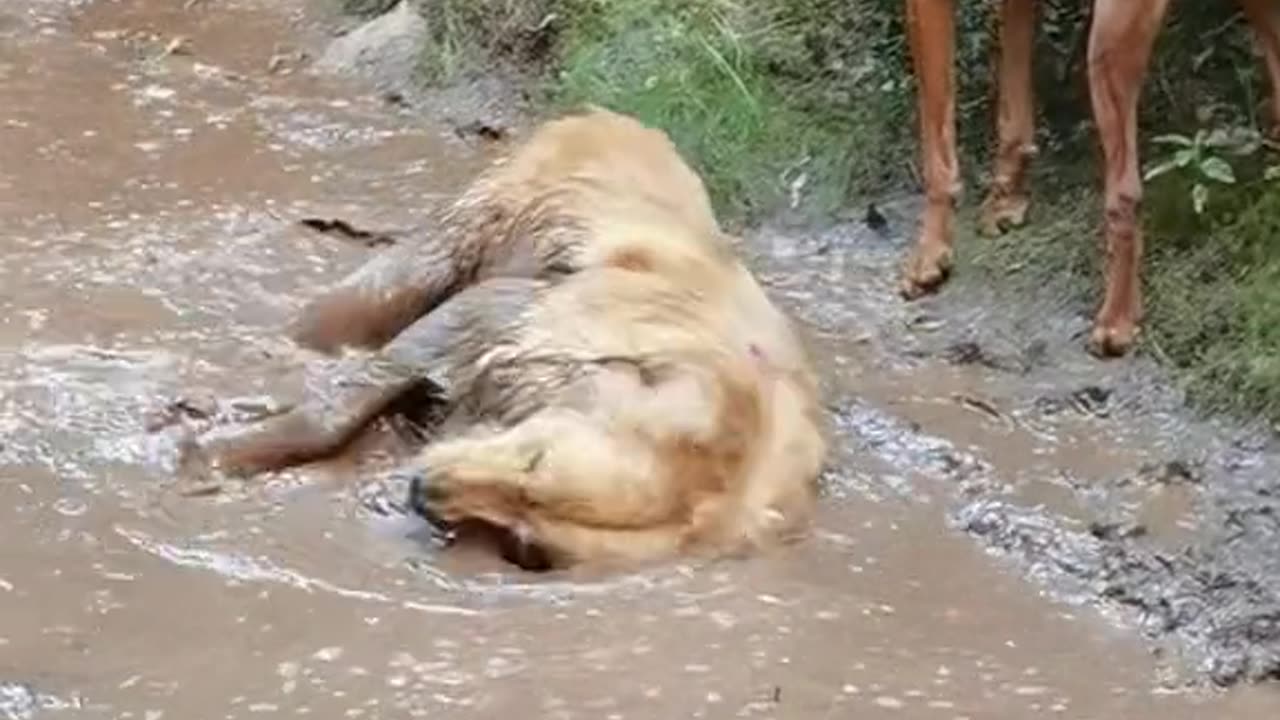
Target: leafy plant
x,y
1201,158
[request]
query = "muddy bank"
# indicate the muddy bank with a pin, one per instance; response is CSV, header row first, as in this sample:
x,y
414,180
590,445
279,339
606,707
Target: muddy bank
x,y
152,194
1091,476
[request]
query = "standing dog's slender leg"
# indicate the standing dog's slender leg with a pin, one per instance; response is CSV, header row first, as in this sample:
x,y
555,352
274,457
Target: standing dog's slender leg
x,y
1264,15
931,33
1120,44
1006,203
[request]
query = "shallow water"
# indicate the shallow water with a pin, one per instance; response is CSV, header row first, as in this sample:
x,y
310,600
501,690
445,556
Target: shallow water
x,y
149,191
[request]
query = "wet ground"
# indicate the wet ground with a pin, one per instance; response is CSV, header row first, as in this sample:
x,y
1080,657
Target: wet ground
x,y
1010,528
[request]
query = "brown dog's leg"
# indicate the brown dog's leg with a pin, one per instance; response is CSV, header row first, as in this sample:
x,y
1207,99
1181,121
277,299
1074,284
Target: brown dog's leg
x,y
1006,203
931,33
382,297
337,405
348,396
1264,16
1120,43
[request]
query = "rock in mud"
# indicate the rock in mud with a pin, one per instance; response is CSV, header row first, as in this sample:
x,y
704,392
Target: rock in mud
x,y
383,51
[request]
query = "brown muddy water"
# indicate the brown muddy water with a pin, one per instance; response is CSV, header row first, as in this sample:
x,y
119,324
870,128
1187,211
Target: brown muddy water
x,y
155,156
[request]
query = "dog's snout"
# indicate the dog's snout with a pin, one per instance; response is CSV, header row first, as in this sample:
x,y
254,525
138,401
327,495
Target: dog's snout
x,y
414,497
418,500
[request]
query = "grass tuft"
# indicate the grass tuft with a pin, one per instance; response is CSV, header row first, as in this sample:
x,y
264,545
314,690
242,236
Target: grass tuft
x,y
695,73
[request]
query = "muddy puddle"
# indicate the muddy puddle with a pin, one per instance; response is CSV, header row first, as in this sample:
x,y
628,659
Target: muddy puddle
x,y
1010,529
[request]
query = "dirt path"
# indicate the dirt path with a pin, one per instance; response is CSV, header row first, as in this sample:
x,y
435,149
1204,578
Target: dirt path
x,y
149,191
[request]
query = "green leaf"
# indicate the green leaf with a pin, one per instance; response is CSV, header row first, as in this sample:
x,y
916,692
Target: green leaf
x,y
1272,173
1218,138
1247,146
1183,158
1199,198
1159,169
1235,140
1216,168
1173,139
1201,58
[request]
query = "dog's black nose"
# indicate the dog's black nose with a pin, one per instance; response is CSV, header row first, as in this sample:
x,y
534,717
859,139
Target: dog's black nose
x,y
415,499
418,503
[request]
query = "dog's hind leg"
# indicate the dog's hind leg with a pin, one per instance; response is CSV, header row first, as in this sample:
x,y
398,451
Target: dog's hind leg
x,y
384,296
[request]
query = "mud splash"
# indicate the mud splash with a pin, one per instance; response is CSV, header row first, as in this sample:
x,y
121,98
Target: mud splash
x,y
155,160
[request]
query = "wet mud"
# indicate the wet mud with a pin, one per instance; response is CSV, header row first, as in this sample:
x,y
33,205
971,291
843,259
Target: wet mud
x,y
1009,528
1091,476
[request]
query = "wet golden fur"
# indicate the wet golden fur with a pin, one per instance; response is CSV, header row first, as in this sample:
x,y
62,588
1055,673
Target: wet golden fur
x,y
620,387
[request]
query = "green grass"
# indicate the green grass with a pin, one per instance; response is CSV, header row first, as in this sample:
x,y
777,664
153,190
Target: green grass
x,y
696,74
775,101
1215,304
732,81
